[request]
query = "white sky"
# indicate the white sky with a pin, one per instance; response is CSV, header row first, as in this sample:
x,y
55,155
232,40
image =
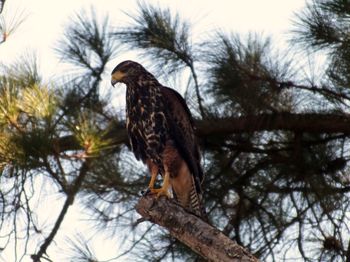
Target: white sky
x,y
46,20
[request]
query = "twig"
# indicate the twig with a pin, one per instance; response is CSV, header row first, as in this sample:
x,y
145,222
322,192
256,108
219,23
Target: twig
x,y
69,201
196,85
2,3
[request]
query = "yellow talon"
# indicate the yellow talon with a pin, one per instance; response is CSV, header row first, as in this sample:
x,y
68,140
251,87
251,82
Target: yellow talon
x,y
164,190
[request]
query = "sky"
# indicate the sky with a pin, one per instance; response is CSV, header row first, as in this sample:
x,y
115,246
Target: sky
x,y
45,22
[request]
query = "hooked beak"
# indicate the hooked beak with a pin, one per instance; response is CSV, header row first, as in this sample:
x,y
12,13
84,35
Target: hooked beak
x,y
113,82
117,77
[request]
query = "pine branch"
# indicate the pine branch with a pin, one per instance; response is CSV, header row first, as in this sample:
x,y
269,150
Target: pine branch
x,y
87,44
318,27
165,38
196,85
9,23
69,201
240,73
161,35
202,238
308,123
117,134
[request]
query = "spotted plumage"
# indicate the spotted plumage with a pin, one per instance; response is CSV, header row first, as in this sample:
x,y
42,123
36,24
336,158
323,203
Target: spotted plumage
x,y
161,134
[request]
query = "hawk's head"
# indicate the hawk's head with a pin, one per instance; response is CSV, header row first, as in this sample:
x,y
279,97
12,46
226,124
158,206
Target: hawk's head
x,y
126,71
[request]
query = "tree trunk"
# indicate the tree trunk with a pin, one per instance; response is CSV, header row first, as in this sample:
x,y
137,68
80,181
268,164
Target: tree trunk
x,y
202,238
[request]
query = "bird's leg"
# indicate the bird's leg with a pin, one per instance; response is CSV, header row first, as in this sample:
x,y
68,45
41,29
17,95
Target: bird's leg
x,y
153,180
154,173
164,190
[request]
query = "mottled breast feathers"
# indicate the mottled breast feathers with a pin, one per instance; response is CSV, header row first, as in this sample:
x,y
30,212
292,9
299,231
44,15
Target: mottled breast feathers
x,y
146,121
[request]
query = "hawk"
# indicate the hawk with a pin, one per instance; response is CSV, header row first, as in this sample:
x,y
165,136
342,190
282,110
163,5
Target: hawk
x,y
161,134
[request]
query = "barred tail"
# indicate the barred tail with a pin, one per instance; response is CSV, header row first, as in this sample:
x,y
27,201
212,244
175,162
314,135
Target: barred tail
x,y
196,201
188,193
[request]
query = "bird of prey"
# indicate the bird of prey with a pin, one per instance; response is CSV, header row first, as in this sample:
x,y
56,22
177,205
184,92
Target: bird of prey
x,y
161,134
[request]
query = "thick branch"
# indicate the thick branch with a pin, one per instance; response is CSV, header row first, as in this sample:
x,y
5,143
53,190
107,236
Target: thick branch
x,y
202,238
308,123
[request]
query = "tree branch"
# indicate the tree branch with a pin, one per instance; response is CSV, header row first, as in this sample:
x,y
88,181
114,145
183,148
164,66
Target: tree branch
x,y
306,123
2,3
196,86
189,229
69,201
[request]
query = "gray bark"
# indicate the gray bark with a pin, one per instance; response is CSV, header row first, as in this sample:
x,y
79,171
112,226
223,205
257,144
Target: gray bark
x,y
192,231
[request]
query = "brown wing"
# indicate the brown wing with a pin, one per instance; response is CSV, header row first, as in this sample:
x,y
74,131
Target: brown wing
x,y
182,132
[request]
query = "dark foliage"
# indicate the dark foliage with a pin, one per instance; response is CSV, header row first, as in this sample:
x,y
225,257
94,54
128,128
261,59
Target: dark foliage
x,y
243,72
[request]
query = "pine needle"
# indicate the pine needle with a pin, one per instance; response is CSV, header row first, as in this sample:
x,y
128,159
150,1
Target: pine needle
x,y
89,135
38,101
9,23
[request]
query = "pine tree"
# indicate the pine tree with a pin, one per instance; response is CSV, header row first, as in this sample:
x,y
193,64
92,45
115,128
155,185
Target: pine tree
x,y
274,141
